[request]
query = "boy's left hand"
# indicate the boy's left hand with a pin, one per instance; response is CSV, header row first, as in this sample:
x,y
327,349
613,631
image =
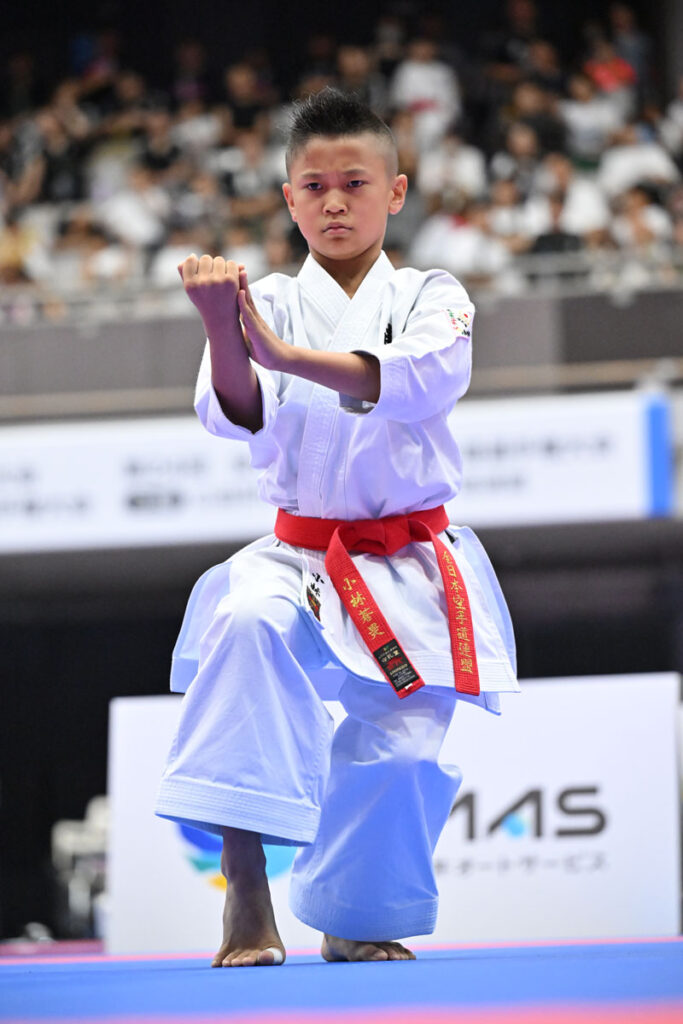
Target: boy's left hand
x,y
264,345
350,373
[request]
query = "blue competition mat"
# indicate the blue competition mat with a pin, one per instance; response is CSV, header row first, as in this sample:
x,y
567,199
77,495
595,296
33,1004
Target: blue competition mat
x,y
568,983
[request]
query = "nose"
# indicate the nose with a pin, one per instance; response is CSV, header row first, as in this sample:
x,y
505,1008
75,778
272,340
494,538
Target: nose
x,y
335,201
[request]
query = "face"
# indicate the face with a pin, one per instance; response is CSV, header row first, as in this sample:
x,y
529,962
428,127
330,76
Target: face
x,y
504,193
340,193
560,169
522,140
581,88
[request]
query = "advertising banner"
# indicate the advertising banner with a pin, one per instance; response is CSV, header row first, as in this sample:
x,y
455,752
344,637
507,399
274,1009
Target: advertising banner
x,y
125,483
567,822
563,458
566,825
157,481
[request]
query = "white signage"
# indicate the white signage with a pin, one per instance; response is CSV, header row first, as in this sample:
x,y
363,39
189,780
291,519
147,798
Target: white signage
x,y
563,459
566,826
125,483
167,481
567,822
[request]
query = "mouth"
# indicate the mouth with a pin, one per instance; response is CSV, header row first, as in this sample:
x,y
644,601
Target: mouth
x,y
335,229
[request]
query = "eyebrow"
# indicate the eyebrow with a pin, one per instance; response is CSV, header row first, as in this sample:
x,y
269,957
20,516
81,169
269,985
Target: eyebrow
x,y
321,174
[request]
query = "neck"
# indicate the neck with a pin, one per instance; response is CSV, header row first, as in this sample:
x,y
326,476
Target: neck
x,y
349,274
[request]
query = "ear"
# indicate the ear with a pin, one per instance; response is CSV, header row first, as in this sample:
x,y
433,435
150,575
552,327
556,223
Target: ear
x,y
289,199
398,193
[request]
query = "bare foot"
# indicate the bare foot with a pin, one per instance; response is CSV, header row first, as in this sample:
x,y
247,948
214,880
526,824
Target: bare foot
x,y
348,949
250,935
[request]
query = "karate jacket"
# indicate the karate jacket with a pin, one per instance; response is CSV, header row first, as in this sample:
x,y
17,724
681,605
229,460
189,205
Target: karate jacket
x,y
327,455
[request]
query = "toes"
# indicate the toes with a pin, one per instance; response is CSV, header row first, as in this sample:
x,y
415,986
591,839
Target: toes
x,y
243,959
271,957
396,951
400,952
347,949
237,958
370,951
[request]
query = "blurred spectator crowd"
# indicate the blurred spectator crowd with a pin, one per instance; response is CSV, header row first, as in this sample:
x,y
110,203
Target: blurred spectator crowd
x,y
525,165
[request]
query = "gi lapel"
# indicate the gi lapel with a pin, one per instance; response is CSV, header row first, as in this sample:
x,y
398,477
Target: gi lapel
x,y
349,321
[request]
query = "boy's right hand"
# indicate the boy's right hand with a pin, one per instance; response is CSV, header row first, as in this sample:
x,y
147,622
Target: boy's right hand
x,y
212,283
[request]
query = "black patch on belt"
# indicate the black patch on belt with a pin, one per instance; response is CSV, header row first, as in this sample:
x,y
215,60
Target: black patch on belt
x,y
388,334
395,665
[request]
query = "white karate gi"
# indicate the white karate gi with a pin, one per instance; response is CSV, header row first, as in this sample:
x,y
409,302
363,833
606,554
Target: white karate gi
x,y
255,747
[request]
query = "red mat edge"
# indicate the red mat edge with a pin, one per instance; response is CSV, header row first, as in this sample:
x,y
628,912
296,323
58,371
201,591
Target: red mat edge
x,y
612,1013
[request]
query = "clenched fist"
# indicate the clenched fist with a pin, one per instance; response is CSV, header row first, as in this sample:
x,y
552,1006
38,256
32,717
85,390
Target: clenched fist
x,y
212,284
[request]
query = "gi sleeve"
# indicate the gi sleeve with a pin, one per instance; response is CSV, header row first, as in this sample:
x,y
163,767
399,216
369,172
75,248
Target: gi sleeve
x,y
427,367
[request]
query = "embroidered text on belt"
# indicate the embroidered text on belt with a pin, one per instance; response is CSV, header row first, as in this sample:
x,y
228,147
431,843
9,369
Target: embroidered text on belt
x,y
386,536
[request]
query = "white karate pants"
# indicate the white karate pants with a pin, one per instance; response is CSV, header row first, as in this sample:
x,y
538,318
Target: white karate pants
x,y
256,749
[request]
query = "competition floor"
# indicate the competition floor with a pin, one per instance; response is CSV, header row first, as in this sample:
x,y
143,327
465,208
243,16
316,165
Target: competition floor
x,y
622,982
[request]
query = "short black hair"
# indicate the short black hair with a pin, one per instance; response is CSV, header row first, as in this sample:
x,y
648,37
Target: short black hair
x,y
330,113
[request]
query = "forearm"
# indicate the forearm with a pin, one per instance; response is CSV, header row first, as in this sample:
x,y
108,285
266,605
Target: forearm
x,y
233,377
212,284
349,373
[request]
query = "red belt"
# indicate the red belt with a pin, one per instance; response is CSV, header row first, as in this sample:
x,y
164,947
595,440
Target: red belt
x,y
386,536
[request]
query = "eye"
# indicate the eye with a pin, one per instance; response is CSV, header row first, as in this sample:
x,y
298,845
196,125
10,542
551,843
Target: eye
x,y
312,186
355,183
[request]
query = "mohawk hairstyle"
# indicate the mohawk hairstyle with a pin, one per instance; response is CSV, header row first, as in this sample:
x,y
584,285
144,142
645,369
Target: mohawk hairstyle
x,y
330,113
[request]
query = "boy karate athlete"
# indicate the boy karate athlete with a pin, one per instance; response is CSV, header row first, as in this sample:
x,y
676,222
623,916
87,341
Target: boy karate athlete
x,y
341,381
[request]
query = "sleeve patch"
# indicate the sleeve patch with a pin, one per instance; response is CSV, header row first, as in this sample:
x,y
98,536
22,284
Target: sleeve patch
x,y
460,322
